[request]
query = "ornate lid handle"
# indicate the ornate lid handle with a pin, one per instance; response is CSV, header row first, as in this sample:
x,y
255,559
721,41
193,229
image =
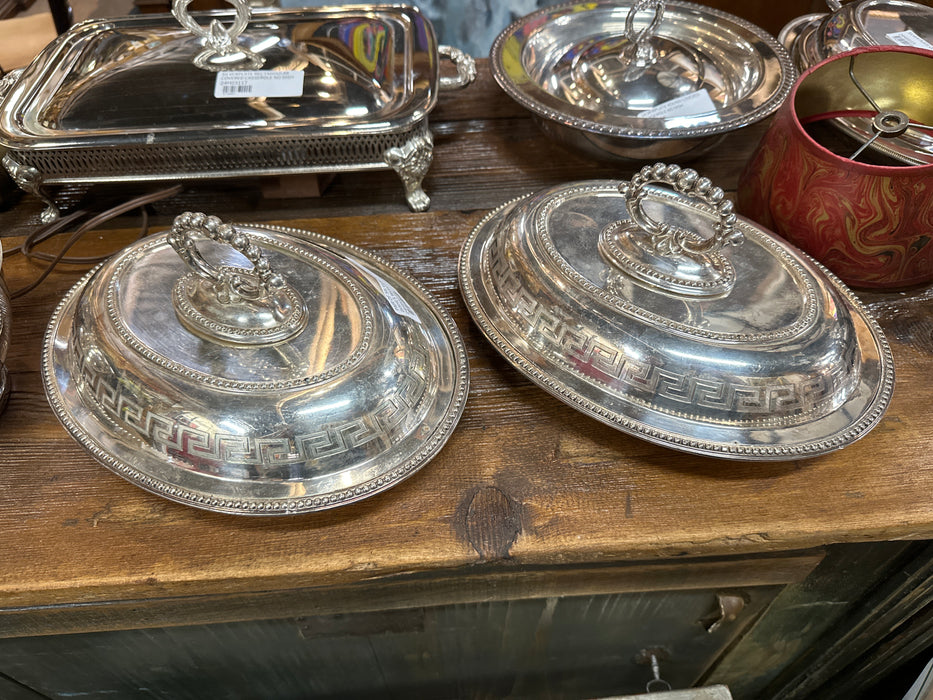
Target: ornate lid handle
x,y
221,50
232,304
639,52
666,255
667,239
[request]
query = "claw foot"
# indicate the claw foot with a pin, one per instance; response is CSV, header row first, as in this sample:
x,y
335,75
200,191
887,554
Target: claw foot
x,y
411,161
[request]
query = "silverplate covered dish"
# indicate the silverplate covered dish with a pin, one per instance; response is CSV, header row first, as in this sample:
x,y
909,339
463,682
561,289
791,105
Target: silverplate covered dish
x,y
252,369
650,306
814,38
222,94
641,79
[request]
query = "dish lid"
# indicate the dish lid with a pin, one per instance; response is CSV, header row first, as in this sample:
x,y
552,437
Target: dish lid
x,y
811,38
650,306
311,375
642,69
151,79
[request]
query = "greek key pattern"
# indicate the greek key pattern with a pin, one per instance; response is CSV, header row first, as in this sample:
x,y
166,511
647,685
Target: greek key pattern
x,y
597,360
190,442
865,408
58,375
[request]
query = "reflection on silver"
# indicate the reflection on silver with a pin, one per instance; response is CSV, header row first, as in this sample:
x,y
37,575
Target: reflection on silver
x,y
600,76
29,180
785,364
815,37
221,50
121,99
363,391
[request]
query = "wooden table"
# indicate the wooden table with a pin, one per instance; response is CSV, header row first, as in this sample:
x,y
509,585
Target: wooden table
x,y
529,504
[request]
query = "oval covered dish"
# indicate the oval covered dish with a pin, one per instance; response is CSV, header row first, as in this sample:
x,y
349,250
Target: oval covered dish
x,y
650,306
252,369
815,37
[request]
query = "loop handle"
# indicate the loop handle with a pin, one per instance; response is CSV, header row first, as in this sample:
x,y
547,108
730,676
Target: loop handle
x,y
667,256
655,6
465,65
639,53
670,240
181,239
221,50
231,304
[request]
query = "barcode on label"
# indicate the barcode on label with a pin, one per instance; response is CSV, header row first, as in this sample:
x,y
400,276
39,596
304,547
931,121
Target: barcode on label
x,y
259,83
236,89
910,38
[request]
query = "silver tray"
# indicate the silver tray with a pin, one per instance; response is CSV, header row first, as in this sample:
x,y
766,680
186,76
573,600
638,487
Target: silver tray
x,y
651,307
642,79
140,98
813,38
254,370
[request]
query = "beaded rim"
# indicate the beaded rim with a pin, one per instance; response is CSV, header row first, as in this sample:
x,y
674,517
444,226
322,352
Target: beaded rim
x,y
262,506
541,107
484,318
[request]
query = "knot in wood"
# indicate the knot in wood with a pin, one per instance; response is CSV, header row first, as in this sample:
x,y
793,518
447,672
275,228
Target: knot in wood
x,y
491,522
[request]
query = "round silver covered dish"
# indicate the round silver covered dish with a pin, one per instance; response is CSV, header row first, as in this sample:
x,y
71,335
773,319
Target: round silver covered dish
x,y
253,369
815,37
650,306
640,80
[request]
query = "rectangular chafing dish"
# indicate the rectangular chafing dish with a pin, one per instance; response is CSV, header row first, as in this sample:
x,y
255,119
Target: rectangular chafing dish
x,y
163,97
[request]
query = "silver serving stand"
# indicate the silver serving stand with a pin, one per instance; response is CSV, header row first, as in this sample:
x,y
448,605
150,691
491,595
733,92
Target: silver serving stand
x,y
90,108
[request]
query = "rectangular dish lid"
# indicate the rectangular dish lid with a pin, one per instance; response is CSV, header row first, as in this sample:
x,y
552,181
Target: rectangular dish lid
x,y
133,80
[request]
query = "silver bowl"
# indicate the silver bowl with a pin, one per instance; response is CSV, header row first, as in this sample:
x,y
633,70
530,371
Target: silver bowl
x,y
641,80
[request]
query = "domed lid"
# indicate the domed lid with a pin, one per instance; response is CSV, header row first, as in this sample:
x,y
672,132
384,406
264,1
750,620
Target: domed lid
x,y
260,370
650,306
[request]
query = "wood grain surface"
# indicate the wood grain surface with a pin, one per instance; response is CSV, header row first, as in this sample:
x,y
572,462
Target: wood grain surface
x,y
525,484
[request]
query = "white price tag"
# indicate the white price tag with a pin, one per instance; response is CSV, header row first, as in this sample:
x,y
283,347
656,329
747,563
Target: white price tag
x,y
689,105
398,304
259,83
910,38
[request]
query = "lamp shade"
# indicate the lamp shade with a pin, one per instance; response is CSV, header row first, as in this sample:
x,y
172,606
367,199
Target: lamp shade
x,y
869,223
